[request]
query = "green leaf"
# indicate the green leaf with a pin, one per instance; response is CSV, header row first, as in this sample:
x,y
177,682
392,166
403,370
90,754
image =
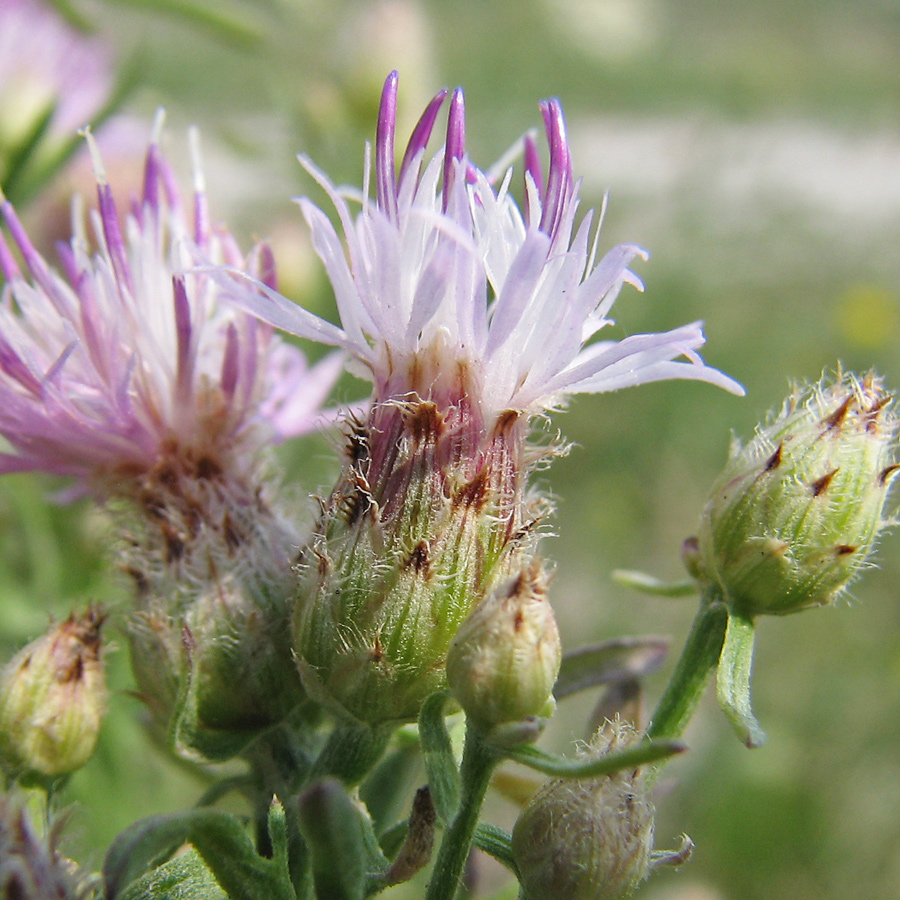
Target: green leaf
x,y
437,754
733,680
218,837
184,878
594,766
647,584
616,660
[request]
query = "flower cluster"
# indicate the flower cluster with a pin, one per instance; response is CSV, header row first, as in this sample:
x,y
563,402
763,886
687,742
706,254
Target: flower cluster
x,y
471,316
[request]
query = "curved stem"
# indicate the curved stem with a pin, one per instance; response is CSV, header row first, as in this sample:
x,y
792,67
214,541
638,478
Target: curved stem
x,y
698,660
478,763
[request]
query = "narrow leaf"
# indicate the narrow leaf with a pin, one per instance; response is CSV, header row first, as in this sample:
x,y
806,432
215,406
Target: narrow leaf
x,y
590,766
647,584
219,838
617,660
733,680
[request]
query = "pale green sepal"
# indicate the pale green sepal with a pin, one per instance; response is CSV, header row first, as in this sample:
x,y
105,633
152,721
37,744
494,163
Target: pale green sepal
x,y
733,680
184,878
590,766
437,754
615,660
647,584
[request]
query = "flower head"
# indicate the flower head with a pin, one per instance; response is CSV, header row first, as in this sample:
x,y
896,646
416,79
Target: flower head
x,y
470,316
444,284
126,360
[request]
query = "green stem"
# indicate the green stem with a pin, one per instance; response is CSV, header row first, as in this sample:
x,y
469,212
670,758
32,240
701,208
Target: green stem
x,y
478,762
698,659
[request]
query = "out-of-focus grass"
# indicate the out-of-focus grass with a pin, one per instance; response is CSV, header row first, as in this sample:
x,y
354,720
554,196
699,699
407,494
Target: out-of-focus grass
x,y
753,148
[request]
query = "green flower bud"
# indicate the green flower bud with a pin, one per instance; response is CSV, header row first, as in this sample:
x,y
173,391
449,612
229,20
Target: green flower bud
x,y
52,700
796,512
587,839
504,660
426,519
210,643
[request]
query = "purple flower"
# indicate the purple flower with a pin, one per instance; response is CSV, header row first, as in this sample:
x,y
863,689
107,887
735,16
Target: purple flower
x,y
446,288
127,358
47,66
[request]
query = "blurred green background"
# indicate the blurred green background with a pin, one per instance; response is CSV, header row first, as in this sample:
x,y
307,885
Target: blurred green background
x,y
754,149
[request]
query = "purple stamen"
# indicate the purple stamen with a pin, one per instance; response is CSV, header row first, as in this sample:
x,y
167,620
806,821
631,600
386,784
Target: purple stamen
x,y
422,132
456,140
113,234
183,331
8,265
230,361
385,177
33,260
559,180
11,363
150,195
201,219
69,264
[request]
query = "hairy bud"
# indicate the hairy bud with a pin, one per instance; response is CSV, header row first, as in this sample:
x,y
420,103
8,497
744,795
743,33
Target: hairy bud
x,y
504,660
52,700
587,839
796,512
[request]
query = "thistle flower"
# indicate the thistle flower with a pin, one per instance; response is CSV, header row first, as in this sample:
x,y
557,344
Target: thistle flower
x,y
127,360
128,374
31,866
470,316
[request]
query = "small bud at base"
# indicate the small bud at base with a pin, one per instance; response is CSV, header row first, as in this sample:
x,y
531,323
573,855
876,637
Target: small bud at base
x,y
52,700
587,839
504,660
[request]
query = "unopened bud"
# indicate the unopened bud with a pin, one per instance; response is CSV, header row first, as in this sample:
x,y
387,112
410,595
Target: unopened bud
x,y
796,512
52,700
587,839
504,660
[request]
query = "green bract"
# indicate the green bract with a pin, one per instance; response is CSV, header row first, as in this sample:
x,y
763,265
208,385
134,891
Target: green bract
x,y
424,521
796,512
